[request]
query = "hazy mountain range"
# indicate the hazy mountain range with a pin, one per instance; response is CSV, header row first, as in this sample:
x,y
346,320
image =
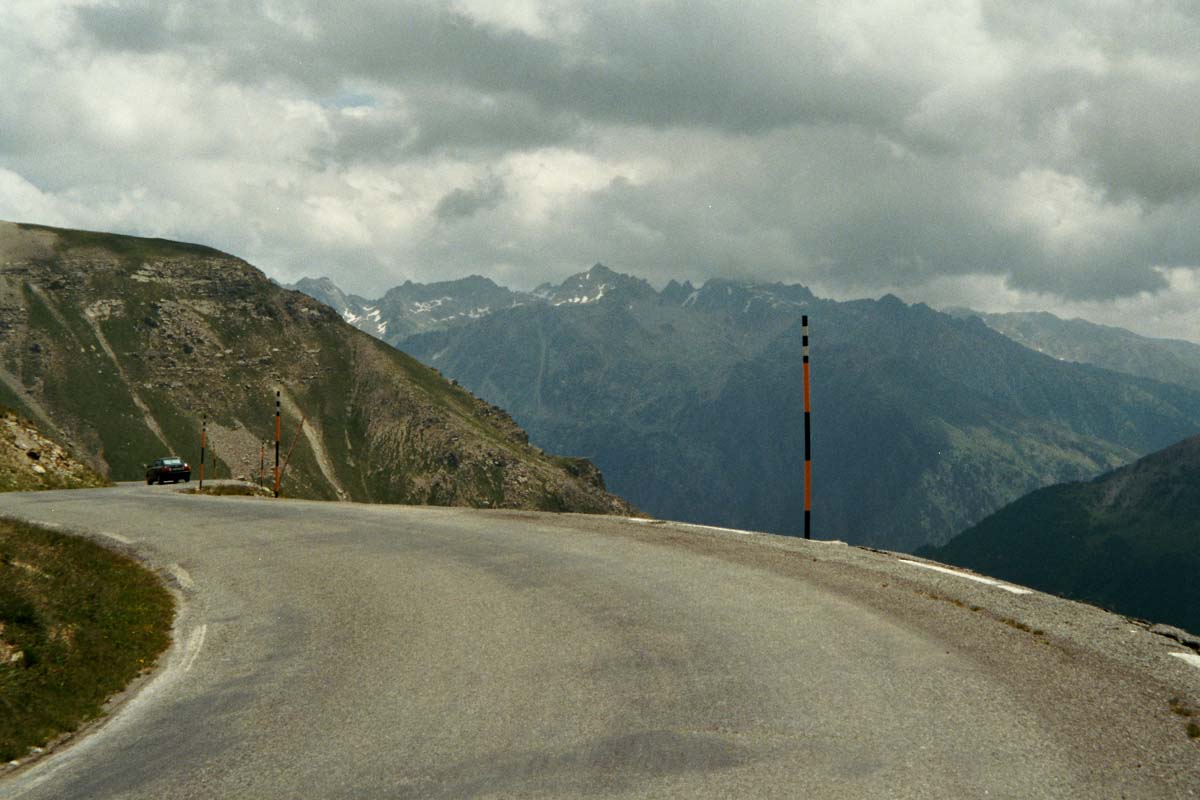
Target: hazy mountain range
x,y
1167,360
118,347
689,398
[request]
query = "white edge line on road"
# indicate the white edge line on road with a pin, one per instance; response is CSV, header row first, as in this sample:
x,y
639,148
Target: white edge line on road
x,y
181,575
641,521
117,536
194,643
968,576
1190,658
715,528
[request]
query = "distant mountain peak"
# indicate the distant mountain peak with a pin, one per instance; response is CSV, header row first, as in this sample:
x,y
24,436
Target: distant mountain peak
x,y
743,297
324,283
593,286
598,270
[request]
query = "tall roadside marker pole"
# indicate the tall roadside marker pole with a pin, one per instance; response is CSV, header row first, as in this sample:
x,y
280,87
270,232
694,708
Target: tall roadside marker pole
x,y
203,442
295,439
807,437
277,394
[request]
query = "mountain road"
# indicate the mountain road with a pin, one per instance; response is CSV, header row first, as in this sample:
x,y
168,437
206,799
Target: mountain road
x,y
339,650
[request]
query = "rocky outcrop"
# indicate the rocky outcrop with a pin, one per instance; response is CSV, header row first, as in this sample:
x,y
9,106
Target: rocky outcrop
x,y
29,460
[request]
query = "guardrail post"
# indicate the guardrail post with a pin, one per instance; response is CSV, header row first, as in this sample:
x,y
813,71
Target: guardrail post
x,y
203,442
277,400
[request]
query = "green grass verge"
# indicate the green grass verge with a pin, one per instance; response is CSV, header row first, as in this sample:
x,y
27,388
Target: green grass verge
x,y
77,624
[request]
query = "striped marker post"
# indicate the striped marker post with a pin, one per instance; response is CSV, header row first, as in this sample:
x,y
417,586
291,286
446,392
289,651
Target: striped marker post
x,y
203,442
277,443
807,437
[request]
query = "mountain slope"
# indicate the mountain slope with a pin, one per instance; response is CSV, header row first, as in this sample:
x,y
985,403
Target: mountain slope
x,y
121,344
1128,540
1166,360
689,400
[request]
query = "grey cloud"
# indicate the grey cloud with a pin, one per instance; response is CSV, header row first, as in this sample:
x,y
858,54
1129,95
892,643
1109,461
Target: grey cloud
x,y
1144,139
495,123
434,122
140,27
462,203
662,65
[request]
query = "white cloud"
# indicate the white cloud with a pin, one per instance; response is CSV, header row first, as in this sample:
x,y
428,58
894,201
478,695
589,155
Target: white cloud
x,y
21,201
1073,222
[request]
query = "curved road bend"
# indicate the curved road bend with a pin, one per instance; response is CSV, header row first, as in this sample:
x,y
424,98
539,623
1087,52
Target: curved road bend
x,y
349,651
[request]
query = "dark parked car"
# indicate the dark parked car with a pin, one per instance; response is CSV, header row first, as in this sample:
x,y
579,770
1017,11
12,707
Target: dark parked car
x,y
173,469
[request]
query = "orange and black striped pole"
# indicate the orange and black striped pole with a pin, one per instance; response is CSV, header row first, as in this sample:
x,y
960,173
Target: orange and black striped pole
x,y
203,441
277,444
807,437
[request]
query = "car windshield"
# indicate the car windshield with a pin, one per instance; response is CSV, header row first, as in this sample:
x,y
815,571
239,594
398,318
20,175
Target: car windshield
x,y
172,462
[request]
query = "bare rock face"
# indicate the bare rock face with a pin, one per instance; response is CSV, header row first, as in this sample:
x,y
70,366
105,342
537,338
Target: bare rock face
x,y
122,346
30,461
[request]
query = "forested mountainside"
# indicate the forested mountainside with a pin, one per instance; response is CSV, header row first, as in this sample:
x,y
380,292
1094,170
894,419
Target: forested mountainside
x,y
1128,540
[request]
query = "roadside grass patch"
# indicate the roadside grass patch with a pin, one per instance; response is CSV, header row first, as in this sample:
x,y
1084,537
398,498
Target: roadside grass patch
x,y
78,622
236,489
1181,708
1186,711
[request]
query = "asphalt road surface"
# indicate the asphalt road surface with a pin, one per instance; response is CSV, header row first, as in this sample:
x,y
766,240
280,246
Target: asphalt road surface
x,y
348,651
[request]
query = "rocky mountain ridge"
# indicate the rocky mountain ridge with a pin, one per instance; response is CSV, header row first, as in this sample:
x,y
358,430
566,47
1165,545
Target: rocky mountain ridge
x,y
412,308
1167,360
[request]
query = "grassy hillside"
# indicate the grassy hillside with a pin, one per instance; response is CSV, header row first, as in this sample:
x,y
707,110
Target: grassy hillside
x,y
122,345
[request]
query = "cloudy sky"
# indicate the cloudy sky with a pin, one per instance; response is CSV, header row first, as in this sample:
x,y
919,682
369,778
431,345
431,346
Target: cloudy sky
x,y
1004,155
